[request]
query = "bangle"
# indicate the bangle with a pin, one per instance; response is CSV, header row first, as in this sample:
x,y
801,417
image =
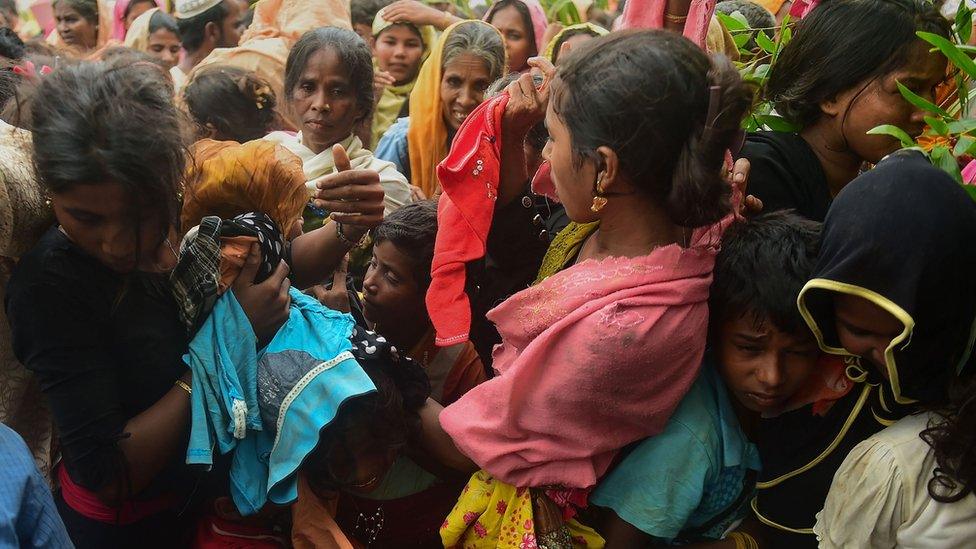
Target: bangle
x,y
345,239
672,18
182,385
743,540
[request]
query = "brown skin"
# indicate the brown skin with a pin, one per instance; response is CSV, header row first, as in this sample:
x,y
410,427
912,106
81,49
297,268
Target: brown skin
x,y
226,34
463,83
365,32
325,101
135,10
411,11
865,329
841,142
519,43
165,46
398,50
393,299
76,31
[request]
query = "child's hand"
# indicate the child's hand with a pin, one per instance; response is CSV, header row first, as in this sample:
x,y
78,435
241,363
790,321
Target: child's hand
x,y
355,197
265,304
411,11
337,298
739,178
527,104
381,80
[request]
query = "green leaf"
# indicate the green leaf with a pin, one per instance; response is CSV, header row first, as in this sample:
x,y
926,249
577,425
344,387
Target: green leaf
x,y
964,23
938,125
920,102
731,23
765,43
893,131
776,123
951,51
971,189
963,145
741,39
942,158
962,126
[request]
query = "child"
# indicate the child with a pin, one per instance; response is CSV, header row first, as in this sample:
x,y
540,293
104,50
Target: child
x,y
230,104
694,481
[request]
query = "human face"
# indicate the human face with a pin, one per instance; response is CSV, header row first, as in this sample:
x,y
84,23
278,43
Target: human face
x,y
230,26
574,182
99,219
365,32
882,103
325,101
519,41
865,329
391,293
463,83
398,50
165,46
135,10
762,365
74,29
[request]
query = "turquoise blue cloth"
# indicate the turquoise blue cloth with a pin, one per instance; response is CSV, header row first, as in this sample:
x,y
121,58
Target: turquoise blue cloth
x,y
393,146
688,474
268,405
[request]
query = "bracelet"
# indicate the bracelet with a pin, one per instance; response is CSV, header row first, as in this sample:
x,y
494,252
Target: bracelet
x,y
671,18
182,385
345,239
743,540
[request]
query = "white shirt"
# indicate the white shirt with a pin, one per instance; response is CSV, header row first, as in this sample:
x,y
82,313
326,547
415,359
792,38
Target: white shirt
x,y
879,497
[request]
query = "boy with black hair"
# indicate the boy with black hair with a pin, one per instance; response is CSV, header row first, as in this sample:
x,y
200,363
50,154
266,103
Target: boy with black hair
x,y
362,13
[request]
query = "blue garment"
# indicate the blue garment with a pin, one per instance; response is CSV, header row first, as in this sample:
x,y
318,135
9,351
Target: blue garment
x,y
28,517
690,473
393,146
269,405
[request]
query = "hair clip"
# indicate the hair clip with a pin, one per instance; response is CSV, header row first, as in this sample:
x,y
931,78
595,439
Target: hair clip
x,y
29,71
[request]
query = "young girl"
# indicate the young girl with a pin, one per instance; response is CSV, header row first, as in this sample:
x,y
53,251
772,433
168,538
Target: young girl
x,y
468,58
155,32
230,104
637,181
897,301
83,26
329,86
523,25
126,12
836,80
399,50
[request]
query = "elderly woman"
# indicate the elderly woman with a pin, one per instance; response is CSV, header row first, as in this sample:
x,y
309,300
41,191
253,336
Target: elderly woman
x,y
83,26
452,82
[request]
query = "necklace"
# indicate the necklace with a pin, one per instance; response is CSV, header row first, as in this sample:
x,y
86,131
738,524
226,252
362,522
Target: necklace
x,y
369,526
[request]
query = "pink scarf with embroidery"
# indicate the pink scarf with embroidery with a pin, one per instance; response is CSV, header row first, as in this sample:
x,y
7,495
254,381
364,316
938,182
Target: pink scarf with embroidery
x,y
593,358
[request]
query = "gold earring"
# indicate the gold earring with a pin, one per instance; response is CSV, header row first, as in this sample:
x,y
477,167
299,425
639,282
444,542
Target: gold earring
x,y
599,201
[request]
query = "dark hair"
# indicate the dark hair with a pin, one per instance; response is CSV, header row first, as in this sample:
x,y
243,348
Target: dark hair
x,y
192,29
163,20
8,7
85,8
475,38
11,46
134,3
350,48
94,123
118,56
757,16
238,104
413,230
566,36
762,266
843,43
646,94
363,12
526,18
953,441
17,94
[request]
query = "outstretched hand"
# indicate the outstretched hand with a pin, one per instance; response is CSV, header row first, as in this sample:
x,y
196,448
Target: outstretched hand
x,y
355,197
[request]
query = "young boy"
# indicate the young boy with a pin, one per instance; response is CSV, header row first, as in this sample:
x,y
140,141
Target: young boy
x,y
694,481
394,291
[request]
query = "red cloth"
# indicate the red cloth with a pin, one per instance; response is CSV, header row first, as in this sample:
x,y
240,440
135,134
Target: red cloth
x,y
87,504
214,532
649,14
469,180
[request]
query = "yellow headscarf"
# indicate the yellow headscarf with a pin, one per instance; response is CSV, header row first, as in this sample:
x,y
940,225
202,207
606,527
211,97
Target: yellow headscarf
x,y
592,29
137,37
390,103
102,39
427,135
227,179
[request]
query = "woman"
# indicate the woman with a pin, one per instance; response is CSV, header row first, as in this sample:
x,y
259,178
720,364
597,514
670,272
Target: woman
x,y
899,302
637,170
399,50
468,58
523,25
83,27
155,32
108,149
230,104
126,12
329,87
836,80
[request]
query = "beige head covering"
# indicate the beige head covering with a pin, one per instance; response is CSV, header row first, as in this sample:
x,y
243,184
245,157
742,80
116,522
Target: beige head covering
x,y
187,9
137,37
24,213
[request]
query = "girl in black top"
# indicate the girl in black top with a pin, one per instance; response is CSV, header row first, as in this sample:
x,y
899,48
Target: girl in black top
x,y
90,307
836,80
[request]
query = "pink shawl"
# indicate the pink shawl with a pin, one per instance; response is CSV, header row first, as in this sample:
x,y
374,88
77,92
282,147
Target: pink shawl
x,y
539,21
649,14
118,16
593,358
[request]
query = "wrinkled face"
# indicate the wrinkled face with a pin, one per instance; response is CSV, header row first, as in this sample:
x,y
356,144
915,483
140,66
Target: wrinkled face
x,y
391,293
882,103
100,220
135,10
463,83
365,32
865,329
762,365
519,41
398,51
325,101
575,181
165,46
230,26
74,29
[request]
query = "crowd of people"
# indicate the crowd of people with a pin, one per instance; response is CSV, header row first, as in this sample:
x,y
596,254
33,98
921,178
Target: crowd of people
x,y
326,274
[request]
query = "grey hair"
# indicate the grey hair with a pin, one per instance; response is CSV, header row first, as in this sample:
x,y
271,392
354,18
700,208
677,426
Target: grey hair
x,y
85,8
478,39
